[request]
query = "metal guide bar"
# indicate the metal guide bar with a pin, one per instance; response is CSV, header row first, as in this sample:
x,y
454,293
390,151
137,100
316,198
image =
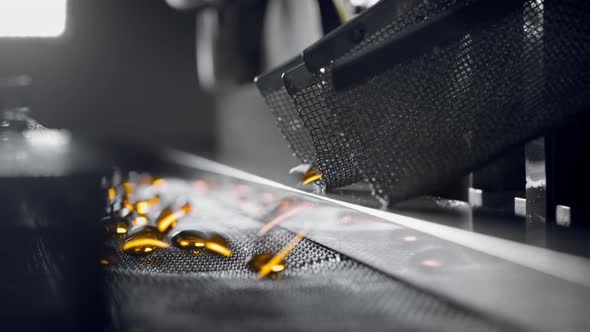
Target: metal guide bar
x,y
537,288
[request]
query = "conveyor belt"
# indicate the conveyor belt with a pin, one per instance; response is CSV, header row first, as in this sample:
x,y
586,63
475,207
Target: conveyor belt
x,y
356,268
321,289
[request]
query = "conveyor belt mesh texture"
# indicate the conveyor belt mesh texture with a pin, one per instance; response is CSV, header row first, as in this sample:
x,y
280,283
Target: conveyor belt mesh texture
x,y
320,290
333,155
339,163
290,124
456,107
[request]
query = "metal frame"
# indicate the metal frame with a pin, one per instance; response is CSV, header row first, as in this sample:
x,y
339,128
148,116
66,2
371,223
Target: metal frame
x,y
273,80
339,41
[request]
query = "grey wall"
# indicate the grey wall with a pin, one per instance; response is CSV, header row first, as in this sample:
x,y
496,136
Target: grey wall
x,y
125,69
248,138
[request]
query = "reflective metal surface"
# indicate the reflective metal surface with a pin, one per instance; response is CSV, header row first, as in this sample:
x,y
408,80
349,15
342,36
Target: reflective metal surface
x,y
516,284
529,286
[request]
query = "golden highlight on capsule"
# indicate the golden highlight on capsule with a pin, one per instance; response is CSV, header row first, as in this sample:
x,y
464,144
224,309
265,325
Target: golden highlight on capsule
x,y
311,176
218,244
168,218
111,194
143,207
190,239
278,259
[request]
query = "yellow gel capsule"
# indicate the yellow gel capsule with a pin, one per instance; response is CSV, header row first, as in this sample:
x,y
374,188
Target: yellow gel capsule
x,y
117,227
157,182
121,228
127,189
108,256
111,194
265,269
218,244
139,221
310,172
264,261
168,218
128,206
144,241
143,207
189,239
311,175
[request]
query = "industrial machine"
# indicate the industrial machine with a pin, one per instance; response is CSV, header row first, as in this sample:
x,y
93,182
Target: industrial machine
x,y
437,185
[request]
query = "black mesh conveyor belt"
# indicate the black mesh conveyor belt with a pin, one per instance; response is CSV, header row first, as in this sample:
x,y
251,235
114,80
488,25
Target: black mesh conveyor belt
x,y
320,290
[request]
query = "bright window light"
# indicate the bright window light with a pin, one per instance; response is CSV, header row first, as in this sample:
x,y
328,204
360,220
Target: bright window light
x,y
32,18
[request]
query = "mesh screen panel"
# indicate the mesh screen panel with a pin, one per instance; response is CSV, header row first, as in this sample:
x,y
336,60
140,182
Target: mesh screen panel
x,y
320,290
316,107
334,159
290,124
454,108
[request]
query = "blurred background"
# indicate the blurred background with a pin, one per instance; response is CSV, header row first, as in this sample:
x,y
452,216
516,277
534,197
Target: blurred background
x,y
121,69
128,70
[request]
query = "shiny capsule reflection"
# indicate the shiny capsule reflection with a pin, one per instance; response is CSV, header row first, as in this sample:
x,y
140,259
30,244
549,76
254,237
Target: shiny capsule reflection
x,y
144,240
311,176
116,227
111,194
218,244
189,239
127,207
168,218
264,261
139,221
143,207
275,260
108,256
121,228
